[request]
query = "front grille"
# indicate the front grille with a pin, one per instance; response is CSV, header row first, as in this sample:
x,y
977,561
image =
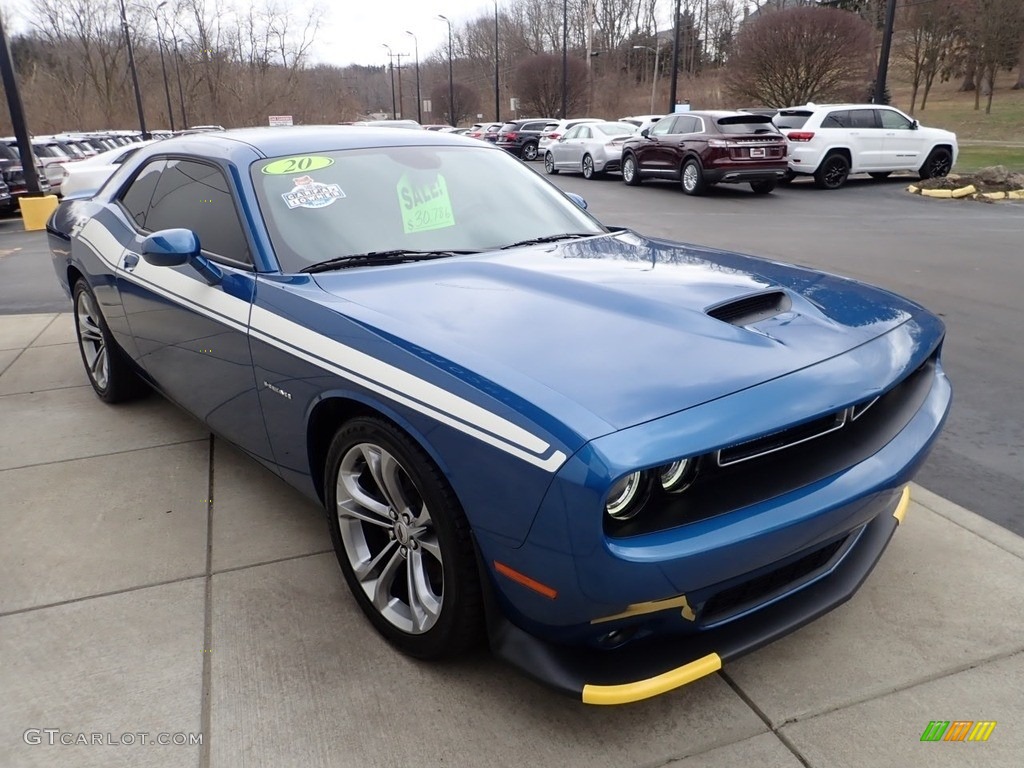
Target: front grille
x,y
768,585
773,470
751,309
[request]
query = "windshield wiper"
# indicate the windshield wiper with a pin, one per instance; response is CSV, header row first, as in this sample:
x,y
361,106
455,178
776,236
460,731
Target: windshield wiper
x,y
551,239
373,258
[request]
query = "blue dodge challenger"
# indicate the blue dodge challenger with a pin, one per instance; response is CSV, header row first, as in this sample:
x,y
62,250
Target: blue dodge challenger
x,y
623,461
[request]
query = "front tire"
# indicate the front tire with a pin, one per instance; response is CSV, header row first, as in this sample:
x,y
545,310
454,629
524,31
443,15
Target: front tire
x,y
402,540
833,172
549,164
763,187
110,373
938,164
692,178
630,171
530,150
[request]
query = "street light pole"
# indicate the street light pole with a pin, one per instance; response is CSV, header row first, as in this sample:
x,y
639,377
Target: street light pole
x,y
391,66
419,100
401,101
135,74
497,100
674,82
177,73
657,52
565,59
163,66
451,79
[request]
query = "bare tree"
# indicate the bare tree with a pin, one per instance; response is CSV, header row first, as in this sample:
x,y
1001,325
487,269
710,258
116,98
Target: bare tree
x,y
538,81
929,32
467,102
793,56
997,27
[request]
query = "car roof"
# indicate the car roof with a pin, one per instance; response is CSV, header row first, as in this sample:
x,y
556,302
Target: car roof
x,y
291,140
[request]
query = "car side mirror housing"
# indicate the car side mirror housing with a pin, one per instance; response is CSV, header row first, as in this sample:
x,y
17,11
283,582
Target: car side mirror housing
x,y
175,247
645,132
577,199
170,247
914,125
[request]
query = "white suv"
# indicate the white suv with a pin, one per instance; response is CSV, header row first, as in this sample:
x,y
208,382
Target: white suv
x,y
831,141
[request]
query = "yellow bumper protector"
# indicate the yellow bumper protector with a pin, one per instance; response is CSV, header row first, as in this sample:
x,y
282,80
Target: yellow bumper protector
x,y
652,686
653,606
901,509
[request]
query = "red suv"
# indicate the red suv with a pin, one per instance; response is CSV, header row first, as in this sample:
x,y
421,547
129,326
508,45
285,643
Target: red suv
x,y
700,149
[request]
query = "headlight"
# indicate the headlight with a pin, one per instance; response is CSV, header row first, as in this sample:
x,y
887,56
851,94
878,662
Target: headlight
x,y
677,476
622,496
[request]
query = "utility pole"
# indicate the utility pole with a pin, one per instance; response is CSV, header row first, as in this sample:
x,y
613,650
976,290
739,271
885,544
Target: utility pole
x,y
451,79
674,82
419,100
565,58
401,103
497,99
163,66
135,74
28,161
883,59
391,67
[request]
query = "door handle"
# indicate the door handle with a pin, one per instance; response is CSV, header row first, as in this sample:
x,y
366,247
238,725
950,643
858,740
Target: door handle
x,y
131,261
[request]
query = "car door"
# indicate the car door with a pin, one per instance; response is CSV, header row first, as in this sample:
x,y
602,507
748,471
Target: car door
x,y
867,139
578,146
190,330
655,155
561,148
685,138
903,146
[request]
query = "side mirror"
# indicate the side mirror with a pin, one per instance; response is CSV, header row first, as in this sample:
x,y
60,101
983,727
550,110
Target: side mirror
x,y
577,199
645,132
914,125
561,139
170,247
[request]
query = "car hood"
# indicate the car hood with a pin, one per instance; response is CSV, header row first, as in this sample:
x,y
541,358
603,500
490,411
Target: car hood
x,y
611,331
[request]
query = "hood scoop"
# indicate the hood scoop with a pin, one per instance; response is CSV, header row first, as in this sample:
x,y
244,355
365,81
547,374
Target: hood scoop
x,y
751,309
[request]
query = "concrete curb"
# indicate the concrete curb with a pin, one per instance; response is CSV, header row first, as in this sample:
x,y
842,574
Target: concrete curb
x,y
971,521
970,191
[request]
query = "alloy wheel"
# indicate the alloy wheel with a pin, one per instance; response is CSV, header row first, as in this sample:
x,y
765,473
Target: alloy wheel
x,y
389,538
91,340
588,167
690,177
530,151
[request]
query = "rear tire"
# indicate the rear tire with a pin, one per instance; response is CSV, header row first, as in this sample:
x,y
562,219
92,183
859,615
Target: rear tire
x,y
833,171
402,541
549,164
110,372
630,171
588,168
691,178
530,150
762,187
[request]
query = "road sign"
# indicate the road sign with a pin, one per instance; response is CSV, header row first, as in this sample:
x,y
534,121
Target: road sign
x,y
280,120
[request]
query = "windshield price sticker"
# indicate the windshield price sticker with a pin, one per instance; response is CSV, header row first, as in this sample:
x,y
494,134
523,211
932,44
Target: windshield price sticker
x,y
425,206
308,193
289,165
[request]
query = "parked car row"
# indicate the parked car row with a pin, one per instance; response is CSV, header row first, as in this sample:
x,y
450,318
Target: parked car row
x,y
762,147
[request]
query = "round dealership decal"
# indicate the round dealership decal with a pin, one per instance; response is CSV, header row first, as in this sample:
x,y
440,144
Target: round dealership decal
x,y
308,193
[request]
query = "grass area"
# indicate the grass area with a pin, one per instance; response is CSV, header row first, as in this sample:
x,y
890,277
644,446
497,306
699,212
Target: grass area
x,y
973,157
950,109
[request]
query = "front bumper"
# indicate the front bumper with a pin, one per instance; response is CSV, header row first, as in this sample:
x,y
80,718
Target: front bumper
x,y
650,667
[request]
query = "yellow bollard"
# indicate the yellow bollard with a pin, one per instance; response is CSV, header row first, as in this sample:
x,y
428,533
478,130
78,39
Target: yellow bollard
x,y
36,210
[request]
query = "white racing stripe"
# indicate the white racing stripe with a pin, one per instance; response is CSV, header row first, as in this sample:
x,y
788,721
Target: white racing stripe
x,y
345,361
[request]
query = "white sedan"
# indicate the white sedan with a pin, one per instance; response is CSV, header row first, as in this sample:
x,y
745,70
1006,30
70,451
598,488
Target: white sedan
x,y
589,148
92,173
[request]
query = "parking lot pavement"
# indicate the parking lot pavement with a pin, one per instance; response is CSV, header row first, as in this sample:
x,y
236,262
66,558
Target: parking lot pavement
x,y
153,580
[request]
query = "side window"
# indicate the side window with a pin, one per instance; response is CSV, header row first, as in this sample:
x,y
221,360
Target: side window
x,y
663,126
839,119
534,127
862,118
135,199
196,196
572,133
584,132
894,120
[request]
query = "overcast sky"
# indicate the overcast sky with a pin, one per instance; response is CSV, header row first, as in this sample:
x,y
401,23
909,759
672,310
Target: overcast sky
x,y
352,31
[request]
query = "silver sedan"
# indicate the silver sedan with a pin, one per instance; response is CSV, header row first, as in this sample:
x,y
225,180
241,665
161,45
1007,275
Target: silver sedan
x,y
590,149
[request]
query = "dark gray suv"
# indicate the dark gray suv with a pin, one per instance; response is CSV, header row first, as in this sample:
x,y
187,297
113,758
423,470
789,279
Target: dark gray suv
x,y
520,137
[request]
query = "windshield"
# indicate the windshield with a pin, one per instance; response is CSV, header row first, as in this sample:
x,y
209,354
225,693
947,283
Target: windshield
x,y
423,198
